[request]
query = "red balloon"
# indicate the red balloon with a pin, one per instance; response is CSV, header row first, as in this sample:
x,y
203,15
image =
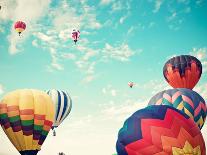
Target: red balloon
x,y
19,26
182,71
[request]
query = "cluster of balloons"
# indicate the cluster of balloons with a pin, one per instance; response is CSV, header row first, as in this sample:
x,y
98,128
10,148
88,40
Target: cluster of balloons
x,y
171,123
27,115
20,26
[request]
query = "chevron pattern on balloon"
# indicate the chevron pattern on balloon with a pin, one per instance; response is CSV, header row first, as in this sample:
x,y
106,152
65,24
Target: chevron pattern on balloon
x,y
160,133
185,100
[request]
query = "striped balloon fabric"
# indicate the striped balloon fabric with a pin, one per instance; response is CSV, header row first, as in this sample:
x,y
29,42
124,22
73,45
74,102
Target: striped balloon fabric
x,y
186,100
26,117
63,105
160,130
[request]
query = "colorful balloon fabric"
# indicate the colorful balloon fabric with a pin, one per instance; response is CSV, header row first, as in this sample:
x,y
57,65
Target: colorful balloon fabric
x,y
75,35
182,71
160,130
26,117
186,100
20,26
63,105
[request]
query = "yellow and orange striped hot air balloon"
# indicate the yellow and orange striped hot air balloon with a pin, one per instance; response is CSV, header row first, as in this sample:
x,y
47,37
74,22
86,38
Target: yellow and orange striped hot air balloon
x,y
26,116
19,26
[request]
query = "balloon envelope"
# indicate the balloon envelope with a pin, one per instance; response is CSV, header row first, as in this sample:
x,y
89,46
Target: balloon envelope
x,y
182,71
186,100
20,26
160,130
130,84
26,117
62,103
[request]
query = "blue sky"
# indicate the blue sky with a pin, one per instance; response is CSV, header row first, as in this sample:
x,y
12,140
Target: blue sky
x,y
120,41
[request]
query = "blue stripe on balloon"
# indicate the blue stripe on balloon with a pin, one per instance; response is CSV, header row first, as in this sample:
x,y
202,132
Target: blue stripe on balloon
x,y
59,103
65,105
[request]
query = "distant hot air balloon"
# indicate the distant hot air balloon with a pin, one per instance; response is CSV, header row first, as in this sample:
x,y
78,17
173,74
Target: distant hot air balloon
x,y
62,103
160,130
75,35
182,71
186,100
26,117
20,27
130,84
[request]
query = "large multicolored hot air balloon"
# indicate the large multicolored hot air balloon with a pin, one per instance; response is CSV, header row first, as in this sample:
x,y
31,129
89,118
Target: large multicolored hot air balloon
x,y
75,35
62,103
26,117
160,130
186,100
19,26
182,71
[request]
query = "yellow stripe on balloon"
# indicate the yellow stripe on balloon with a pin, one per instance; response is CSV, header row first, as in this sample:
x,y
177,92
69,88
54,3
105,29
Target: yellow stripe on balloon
x,y
19,30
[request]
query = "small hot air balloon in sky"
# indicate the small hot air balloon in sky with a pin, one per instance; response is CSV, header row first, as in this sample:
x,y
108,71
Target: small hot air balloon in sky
x,y
160,130
130,84
62,103
182,71
186,100
20,27
75,35
26,117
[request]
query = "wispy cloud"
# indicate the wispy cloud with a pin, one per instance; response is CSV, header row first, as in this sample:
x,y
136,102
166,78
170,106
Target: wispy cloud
x,y
122,52
155,86
1,89
105,2
120,111
109,90
157,6
202,90
16,10
201,54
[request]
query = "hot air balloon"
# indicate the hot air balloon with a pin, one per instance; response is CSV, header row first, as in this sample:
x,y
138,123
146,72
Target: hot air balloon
x,y
62,103
186,100
20,27
182,71
160,130
130,84
75,35
26,117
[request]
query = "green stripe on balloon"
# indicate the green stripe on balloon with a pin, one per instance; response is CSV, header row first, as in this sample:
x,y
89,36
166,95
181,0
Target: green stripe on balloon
x,y
27,122
14,119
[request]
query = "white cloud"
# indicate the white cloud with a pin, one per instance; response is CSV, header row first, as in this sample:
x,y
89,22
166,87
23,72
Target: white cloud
x,y
16,10
43,37
105,2
120,111
88,78
158,4
69,56
34,43
1,89
156,86
201,54
109,90
202,90
123,18
54,62
117,6
122,52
